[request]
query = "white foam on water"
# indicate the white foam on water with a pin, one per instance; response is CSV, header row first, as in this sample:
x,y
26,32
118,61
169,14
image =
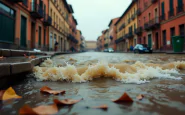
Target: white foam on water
x,y
137,73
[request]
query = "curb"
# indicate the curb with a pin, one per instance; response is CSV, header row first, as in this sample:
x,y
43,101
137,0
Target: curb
x,y
9,69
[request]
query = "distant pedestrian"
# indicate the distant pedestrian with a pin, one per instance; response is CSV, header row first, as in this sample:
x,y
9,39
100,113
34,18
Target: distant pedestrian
x,y
56,46
131,48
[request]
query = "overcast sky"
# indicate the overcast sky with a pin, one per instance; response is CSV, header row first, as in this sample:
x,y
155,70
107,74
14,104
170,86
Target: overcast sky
x,y
93,16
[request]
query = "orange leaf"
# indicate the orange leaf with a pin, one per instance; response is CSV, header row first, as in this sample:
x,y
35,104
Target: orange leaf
x,y
2,57
10,94
40,110
46,89
66,101
140,97
105,107
124,98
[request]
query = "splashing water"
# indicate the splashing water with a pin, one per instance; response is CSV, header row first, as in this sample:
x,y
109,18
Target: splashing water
x,y
137,73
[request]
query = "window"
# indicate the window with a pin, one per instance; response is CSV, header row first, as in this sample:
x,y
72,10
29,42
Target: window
x,y
182,30
171,12
162,11
180,6
172,33
149,17
40,35
164,37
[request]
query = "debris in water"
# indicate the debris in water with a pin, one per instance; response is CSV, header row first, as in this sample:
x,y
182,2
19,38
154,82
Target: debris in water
x,y
124,98
9,94
46,89
66,101
40,110
140,97
104,107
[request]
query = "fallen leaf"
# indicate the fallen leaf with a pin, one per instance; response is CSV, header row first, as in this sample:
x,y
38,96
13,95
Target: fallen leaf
x,y
1,94
2,57
66,101
105,107
10,94
40,110
30,57
124,98
46,89
140,97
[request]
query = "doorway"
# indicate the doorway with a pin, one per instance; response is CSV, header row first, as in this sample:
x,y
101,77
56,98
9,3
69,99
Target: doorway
x,y
23,31
150,40
32,35
157,40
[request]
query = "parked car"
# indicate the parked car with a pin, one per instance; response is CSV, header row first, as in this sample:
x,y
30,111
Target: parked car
x,y
142,48
110,50
105,50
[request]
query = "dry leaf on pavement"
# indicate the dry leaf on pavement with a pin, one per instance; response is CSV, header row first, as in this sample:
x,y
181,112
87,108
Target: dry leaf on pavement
x,y
9,94
140,97
66,101
124,98
40,110
46,89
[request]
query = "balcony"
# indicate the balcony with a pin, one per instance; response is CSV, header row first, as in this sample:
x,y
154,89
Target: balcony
x,y
139,31
138,12
72,38
47,20
154,23
129,20
133,17
153,1
180,8
130,35
171,13
146,26
122,26
36,11
163,17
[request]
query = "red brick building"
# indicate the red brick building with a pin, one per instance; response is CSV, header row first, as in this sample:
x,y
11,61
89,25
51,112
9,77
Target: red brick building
x,y
172,15
148,30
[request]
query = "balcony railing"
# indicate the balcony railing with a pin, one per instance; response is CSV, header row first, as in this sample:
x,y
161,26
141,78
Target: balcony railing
x,y
47,20
133,17
146,26
154,23
139,31
130,35
171,13
163,17
180,8
138,12
36,11
129,20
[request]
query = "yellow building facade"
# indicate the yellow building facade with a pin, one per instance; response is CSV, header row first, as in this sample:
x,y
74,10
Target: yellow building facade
x,y
60,27
126,28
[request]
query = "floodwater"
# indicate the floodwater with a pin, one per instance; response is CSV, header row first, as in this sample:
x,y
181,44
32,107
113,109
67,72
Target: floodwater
x,y
163,95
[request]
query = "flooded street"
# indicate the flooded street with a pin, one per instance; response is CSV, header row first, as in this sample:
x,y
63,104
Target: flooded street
x,y
164,93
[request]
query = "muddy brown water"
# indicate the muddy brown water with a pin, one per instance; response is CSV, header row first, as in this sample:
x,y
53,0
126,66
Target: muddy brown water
x,y
162,96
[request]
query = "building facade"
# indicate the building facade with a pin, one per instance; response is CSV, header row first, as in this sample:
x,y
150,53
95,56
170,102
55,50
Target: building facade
x,y
24,24
172,21
149,23
126,28
112,33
